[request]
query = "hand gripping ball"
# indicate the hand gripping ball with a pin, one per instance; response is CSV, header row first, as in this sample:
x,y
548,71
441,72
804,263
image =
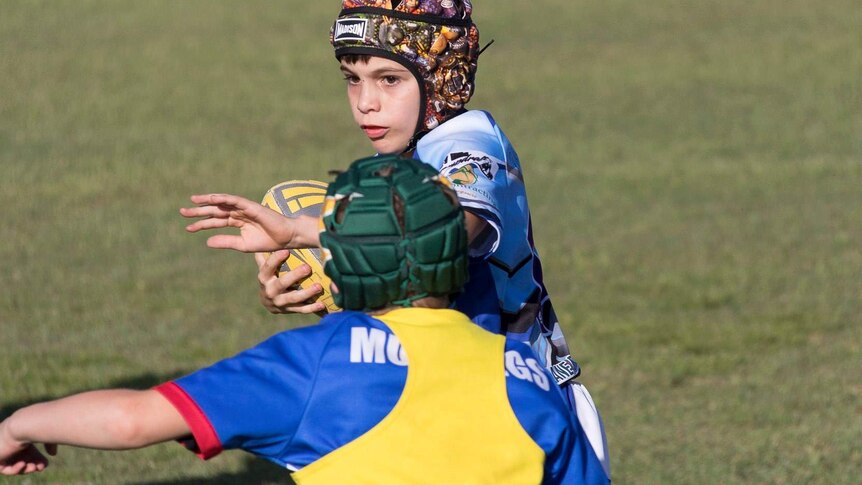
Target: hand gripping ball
x,y
302,198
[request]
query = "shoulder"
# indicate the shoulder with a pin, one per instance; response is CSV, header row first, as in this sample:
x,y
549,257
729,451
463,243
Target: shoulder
x,y
333,322
472,131
342,318
473,122
308,344
343,321
331,327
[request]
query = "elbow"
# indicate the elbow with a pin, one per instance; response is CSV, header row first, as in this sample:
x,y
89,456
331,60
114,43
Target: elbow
x,y
127,427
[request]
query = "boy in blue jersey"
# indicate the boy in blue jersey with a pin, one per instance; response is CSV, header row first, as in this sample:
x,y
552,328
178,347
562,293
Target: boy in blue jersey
x,y
410,68
383,392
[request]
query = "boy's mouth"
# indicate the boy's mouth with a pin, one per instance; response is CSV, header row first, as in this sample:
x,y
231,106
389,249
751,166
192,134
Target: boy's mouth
x,y
374,132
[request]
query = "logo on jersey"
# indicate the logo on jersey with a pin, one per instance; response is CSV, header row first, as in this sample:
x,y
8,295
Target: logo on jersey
x,y
477,161
374,346
527,369
350,29
463,176
565,370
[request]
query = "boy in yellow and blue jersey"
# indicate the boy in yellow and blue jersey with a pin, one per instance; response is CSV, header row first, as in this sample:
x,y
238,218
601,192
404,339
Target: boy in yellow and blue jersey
x,y
397,388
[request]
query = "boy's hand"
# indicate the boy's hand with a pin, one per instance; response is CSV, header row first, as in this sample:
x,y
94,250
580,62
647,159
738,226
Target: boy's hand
x,y
261,228
278,293
17,458
27,460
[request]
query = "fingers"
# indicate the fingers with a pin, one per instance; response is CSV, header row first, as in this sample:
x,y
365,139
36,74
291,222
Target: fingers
x,y
279,294
214,205
274,284
214,218
28,460
205,211
205,224
260,259
298,300
220,210
228,241
13,469
297,297
303,307
268,266
221,199
294,277
283,304
308,308
23,468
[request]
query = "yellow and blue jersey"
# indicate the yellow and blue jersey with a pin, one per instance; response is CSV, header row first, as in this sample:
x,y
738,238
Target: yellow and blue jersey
x,y
412,396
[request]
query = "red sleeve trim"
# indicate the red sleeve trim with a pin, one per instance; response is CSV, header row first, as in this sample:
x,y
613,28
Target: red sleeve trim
x,y
205,437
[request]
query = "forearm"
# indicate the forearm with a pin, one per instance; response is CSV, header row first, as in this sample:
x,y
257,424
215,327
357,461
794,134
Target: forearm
x,y
110,419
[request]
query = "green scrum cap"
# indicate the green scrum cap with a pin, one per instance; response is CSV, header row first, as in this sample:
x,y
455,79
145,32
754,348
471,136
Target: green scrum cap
x,y
392,232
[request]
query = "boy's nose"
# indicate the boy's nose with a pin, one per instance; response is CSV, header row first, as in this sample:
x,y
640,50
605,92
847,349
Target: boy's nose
x,y
368,100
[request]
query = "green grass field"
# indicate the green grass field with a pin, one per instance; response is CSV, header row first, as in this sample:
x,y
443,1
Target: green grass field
x,y
694,171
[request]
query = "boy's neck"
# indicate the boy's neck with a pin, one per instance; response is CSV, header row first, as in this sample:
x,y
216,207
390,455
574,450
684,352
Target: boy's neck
x,y
432,302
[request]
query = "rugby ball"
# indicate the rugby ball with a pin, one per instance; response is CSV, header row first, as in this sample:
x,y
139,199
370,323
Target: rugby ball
x,y
303,198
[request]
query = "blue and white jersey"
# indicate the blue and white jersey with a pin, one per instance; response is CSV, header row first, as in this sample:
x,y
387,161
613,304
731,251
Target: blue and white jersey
x,y
505,293
304,393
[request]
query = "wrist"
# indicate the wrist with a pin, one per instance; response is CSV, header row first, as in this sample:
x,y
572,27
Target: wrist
x,y
306,233
9,438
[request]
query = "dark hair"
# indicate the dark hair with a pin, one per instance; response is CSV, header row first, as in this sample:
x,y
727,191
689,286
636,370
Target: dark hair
x,y
354,58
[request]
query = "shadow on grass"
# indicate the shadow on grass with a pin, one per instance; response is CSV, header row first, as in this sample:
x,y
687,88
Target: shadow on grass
x,y
143,381
255,470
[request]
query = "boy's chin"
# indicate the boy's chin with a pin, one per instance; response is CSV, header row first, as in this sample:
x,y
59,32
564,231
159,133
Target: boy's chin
x,y
385,147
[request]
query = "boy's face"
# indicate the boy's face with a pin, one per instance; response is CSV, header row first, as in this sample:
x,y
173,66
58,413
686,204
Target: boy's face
x,y
384,98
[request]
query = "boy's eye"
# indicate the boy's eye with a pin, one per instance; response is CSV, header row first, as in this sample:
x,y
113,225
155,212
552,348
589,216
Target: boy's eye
x,y
351,79
390,80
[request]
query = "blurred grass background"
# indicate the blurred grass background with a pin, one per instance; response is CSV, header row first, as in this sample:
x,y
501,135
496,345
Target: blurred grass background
x,y
694,171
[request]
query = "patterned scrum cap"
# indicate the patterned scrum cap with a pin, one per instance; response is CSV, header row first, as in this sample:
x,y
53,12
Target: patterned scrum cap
x,y
435,39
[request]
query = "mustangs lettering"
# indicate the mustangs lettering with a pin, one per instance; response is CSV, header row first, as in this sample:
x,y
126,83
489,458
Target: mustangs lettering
x,y
367,346
374,346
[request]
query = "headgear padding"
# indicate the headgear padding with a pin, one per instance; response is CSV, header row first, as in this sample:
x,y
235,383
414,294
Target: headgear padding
x,y
392,232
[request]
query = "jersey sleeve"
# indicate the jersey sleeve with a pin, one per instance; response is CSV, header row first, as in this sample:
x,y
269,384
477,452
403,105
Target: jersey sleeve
x,y
479,179
254,400
468,151
572,460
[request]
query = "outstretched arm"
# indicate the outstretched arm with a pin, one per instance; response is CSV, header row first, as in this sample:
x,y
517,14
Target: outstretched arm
x,y
109,420
261,228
